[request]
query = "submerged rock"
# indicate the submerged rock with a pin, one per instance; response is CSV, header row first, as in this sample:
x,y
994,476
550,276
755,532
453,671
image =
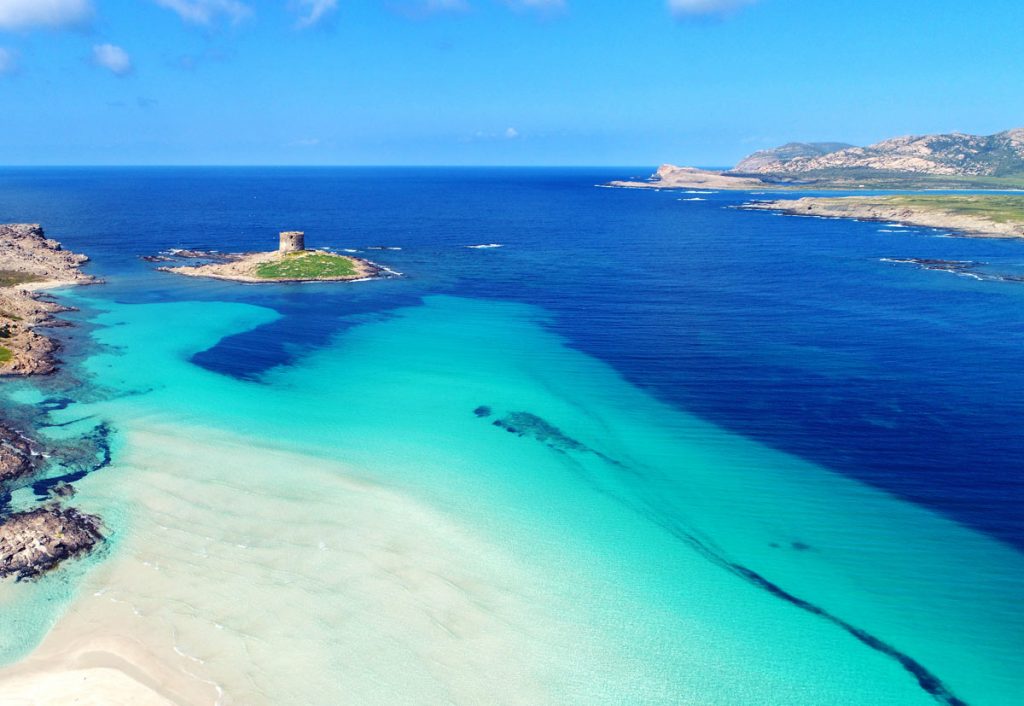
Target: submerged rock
x,y
527,424
37,541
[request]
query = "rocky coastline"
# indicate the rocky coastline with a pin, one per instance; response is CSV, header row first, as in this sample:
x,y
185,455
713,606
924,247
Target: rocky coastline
x,y
35,541
31,262
929,214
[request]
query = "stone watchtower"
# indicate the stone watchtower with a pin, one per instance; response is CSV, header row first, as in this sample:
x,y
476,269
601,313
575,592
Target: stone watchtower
x,y
292,241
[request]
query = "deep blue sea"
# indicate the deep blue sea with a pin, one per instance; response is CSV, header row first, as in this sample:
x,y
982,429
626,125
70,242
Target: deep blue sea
x,y
647,447
792,331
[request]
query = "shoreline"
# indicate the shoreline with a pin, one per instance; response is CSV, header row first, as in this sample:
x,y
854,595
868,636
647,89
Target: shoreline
x,y
36,539
888,210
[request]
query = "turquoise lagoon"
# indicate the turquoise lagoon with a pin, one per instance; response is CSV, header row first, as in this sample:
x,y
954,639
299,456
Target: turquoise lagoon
x,y
362,526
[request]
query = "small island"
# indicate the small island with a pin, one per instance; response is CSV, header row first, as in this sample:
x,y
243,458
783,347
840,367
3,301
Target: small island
x,y
980,216
291,262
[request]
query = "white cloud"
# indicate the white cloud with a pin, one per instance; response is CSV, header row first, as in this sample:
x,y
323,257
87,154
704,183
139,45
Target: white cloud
x,y
511,133
205,12
697,8
24,14
112,57
6,61
314,10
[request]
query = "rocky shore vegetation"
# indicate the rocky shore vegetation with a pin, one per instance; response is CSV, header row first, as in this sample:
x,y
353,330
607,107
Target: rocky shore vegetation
x,y
984,216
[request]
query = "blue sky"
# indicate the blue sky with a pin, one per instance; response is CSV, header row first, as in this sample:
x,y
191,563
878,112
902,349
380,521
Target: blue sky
x,y
574,82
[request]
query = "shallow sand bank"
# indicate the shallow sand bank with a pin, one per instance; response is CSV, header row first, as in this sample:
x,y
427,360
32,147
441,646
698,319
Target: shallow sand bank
x,y
357,590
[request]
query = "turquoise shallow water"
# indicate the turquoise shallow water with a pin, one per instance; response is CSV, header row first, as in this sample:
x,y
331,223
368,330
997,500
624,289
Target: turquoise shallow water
x,y
621,551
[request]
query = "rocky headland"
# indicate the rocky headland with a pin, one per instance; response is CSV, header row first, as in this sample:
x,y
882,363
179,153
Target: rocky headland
x,y
946,161
670,176
31,262
981,216
34,541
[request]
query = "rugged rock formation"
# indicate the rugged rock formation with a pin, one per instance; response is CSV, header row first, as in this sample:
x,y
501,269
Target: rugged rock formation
x,y
30,261
955,154
24,248
17,458
953,161
34,542
768,161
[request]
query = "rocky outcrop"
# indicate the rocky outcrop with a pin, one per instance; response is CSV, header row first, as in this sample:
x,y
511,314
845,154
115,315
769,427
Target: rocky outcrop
x,y
768,161
17,458
30,261
24,248
34,542
954,154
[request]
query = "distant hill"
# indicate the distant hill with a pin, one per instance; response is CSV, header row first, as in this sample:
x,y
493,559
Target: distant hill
x,y
767,160
955,154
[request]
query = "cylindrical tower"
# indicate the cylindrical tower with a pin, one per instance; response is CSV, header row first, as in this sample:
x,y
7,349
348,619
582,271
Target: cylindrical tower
x,y
292,241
